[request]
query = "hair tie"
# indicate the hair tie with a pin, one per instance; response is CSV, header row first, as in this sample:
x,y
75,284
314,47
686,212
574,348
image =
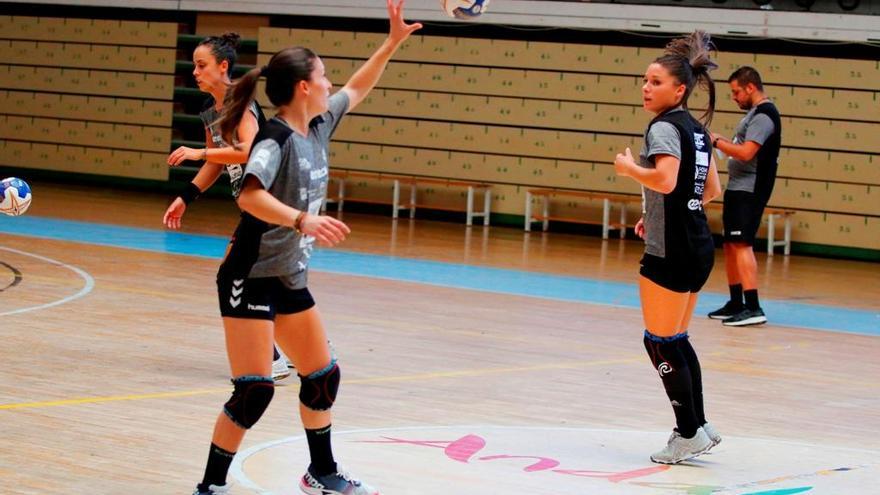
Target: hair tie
x,y
264,70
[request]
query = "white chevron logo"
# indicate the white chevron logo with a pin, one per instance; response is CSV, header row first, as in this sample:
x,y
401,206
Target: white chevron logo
x,y
237,292
234,302
237,283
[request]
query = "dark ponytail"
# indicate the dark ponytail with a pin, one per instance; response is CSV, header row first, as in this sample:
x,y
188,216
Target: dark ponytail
x,y
689,60
282,73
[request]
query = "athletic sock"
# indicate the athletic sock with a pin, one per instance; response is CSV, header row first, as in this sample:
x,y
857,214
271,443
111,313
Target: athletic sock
x,y
752,299
321,451
218,465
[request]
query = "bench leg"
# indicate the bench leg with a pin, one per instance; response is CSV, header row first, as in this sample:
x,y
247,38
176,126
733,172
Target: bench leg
x,y
395,200
546,224
771,233
341,196
487,201
528,214
470,206
787,249
606,218
412,200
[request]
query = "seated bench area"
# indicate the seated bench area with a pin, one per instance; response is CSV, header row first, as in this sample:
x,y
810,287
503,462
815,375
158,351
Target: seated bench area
x,y
340,176
619,201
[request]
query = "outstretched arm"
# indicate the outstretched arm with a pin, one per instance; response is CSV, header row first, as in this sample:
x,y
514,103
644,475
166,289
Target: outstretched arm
x,y
366,77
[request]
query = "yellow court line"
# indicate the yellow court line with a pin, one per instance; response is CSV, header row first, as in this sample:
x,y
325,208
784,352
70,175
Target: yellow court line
x,y
402,378
116,398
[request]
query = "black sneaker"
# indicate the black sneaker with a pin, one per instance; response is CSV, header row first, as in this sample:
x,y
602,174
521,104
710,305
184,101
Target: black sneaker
x,y
724,312
746,317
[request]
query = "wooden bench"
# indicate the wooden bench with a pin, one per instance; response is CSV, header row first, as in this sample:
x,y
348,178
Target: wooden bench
x,y
609,200
342,175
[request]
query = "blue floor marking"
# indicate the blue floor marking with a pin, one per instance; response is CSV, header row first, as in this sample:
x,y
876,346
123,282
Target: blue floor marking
x,y
496,280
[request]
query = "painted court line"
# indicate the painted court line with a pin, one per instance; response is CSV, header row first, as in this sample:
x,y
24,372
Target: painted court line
x,y
89,285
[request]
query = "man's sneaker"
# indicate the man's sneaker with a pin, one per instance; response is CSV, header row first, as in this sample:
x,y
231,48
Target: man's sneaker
x,y
746,317
213,490
729,309
280,369
712,433
338,483
681,449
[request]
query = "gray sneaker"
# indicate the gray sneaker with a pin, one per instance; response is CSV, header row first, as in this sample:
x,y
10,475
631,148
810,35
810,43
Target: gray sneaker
x,y
338,483
213,490
746,317
681,449
712,433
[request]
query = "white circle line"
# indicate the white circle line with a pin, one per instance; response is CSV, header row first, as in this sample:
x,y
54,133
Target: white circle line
x,y
89,285
237,467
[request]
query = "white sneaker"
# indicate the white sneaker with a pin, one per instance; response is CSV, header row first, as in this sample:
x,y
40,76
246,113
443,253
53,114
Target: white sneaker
x,y
214,490
681,449
280,369
712,433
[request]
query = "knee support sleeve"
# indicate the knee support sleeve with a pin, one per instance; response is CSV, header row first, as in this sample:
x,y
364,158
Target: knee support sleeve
x,y
664,352
249,400
318,390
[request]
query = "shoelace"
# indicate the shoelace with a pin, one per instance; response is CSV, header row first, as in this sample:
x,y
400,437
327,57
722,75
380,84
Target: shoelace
x,y
219,490
347,477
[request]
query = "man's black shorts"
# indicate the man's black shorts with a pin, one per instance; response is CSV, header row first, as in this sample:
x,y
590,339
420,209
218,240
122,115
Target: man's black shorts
x,y
741,216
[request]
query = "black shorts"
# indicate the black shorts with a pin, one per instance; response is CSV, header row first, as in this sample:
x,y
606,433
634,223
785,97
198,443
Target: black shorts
x,y
742,216
260,298
678,275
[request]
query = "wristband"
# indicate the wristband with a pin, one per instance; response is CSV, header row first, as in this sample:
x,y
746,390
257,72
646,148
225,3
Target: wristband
x,y
190,193
715,142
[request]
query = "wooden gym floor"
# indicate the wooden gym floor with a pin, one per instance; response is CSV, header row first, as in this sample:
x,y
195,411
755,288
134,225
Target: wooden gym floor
x,y
113,362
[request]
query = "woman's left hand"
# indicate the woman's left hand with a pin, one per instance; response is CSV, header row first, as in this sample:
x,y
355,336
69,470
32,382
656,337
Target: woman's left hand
x,y
624,162
183,153
400,30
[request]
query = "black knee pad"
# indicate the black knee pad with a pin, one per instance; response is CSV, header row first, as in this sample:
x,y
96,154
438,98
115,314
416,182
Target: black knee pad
x,y
318,390
249,400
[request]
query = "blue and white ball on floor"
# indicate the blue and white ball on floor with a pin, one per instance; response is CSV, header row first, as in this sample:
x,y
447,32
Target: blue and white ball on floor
x,y
464,9
15,196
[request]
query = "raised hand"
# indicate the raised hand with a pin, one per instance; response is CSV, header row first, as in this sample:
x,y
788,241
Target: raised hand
x,y
400,30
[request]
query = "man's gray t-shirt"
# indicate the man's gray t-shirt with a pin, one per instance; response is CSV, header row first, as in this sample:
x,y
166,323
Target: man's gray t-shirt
x,y
755,127
662,138
209,117
296,173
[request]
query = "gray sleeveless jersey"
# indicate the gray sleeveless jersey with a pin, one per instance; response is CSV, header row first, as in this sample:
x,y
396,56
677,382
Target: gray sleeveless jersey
x,y
235,170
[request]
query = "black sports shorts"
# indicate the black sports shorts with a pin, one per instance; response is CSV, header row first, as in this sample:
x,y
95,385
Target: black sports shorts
x,y
741,216
260,298
678,274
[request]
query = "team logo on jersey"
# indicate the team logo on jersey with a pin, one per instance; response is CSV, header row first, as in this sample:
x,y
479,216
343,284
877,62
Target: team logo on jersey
x,y
699,140
695,205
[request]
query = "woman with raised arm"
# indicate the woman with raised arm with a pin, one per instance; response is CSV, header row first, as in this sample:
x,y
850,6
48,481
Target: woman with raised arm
x,y
262,283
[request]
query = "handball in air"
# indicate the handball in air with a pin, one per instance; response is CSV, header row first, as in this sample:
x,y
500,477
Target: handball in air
x,y
15,196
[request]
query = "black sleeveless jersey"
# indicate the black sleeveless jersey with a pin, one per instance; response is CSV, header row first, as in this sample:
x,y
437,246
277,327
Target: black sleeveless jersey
x,y
686,229
768,154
